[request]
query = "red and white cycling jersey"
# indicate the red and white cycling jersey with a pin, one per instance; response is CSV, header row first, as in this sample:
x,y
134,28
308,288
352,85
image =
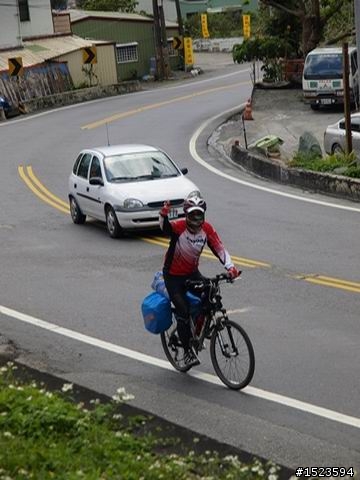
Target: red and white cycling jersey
x,y
183,254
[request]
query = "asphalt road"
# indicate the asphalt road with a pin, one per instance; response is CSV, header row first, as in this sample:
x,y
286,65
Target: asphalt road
x,y
70,295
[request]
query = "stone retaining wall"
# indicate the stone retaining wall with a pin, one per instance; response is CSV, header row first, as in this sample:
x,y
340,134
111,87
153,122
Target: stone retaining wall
x,y
81,95
336,185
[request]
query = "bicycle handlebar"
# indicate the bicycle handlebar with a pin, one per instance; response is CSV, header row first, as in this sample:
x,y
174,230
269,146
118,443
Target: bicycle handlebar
x,y
221,277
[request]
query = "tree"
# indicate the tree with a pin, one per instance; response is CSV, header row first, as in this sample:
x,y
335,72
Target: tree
x,y
127,6
313,16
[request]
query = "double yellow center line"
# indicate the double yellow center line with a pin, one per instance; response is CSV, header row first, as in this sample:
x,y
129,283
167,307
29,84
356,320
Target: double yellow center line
x,y
331,282
36,186
29,178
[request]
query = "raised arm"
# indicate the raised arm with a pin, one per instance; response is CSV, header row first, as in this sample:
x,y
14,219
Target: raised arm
x,y
164,222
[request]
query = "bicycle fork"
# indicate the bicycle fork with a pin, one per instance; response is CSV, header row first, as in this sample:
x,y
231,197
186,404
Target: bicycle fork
x,y
228,348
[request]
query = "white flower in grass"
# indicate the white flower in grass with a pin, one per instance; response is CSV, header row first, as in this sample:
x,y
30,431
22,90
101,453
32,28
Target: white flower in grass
x,y
273,476
67,387
122,396
8,435
29,398
3,369
273,469
117,416
49,394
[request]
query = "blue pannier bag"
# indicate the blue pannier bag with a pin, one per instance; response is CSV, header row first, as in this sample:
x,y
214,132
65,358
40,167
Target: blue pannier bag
x,y
156,312
195,304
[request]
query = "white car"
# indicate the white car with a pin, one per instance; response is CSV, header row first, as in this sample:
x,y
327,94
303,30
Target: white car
x,y
335,136
126,186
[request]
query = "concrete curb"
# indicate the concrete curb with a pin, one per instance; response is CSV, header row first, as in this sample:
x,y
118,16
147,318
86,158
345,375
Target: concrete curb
x,y
335,185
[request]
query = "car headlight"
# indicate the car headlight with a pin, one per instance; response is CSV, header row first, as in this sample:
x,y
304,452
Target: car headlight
x,y
194,193
131,203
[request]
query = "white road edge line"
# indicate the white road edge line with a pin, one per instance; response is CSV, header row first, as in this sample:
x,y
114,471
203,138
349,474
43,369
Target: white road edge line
x,y
197,158
252,391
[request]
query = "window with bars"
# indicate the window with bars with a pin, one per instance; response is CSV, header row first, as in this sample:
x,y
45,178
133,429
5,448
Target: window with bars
x,y
127,52
171,49
24,10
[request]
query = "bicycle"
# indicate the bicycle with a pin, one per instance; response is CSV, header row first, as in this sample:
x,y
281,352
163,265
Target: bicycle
x,y
231,351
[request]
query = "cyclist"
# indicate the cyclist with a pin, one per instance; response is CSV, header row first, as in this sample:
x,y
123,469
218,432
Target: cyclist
x,y
188,237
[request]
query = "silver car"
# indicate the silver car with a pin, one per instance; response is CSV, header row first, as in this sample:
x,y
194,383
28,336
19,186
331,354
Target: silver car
x,y
335,136
125,186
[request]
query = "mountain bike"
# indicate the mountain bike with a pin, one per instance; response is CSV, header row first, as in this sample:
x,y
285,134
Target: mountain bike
x,y
231,352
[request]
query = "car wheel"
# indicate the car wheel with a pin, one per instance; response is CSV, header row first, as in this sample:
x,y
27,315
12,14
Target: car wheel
x,y
315,106
112,224
336,149
76,214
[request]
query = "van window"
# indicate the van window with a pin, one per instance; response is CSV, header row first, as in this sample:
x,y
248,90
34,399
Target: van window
x,y
322,66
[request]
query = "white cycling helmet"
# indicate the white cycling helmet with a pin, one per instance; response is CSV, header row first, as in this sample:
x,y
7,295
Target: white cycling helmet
x,y
193,204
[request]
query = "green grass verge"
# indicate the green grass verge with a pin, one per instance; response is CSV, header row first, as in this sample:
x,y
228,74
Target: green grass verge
x,y
47,435
310,161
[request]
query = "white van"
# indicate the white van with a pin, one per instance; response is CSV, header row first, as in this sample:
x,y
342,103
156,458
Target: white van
x,y
322,80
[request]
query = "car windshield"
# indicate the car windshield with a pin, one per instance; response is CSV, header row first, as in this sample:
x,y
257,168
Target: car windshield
x,y
323,66
139,166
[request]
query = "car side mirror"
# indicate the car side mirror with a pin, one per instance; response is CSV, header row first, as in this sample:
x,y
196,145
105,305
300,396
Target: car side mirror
x,y
184,171
96,181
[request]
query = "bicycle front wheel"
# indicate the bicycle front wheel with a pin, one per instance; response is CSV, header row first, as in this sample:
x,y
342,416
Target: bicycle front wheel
x,y
173,348
232,355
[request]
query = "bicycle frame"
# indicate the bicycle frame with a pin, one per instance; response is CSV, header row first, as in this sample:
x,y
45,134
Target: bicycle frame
x,y
212,309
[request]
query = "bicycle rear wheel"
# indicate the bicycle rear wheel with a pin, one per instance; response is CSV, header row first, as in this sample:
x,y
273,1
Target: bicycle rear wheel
x,y
173,348
232,355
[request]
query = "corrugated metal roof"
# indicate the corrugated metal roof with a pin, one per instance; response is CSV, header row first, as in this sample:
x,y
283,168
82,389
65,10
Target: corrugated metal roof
x,y
42,49
77,15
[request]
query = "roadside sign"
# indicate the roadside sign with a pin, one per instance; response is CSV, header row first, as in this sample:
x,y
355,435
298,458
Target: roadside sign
x,y
89,55
246,26
15,67
177,43
188,51
204,26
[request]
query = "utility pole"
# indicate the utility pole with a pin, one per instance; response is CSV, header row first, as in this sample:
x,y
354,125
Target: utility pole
x,y
160,66
164,46
357,28
181,31
345,52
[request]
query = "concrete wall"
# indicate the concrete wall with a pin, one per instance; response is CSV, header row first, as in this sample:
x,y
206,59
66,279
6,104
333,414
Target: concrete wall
x,y
216,44
9,25
41,22
12,31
